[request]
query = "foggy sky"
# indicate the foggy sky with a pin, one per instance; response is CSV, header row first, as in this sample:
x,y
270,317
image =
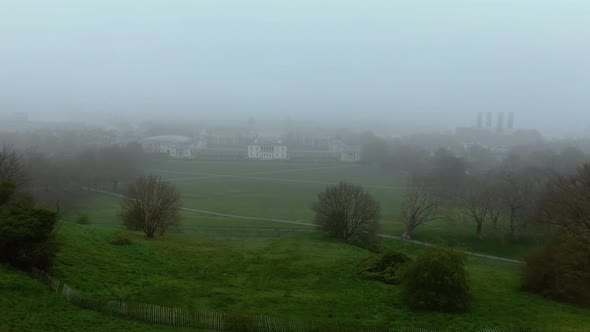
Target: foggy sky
x,y
428,62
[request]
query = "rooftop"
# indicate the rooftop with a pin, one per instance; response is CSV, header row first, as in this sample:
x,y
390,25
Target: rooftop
x,y
166,139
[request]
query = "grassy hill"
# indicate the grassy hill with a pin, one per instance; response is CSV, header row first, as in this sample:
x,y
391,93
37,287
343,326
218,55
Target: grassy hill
x,y
289,273
302,276
28,305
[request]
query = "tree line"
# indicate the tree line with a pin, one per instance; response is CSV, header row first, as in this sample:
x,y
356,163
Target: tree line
x,y
54,180
34,188
519,190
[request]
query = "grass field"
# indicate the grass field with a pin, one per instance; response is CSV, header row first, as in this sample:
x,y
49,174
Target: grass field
x,y
287,272
287,191
28,305
302,276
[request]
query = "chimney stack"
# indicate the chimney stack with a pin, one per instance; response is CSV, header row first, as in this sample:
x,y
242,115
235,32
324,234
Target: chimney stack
x,y
511,121
479,120
500,122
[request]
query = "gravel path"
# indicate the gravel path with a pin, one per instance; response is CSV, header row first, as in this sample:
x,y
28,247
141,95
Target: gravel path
x,y
234,216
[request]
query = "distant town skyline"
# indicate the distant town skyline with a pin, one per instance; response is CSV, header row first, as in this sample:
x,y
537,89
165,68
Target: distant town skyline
x,y
425,64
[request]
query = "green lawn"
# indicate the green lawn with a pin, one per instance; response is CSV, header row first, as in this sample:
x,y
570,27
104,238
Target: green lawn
x,y
287,191
302,276
272,190
28,305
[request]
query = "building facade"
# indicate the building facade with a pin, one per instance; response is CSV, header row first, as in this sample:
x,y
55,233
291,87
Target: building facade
x,y
350,156
263,148
267,152
177,147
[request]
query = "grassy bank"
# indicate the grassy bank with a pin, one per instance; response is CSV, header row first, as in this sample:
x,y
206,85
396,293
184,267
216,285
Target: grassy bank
x,y
303,276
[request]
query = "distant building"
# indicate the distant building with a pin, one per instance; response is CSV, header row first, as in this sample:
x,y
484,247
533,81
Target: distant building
x,y
350,154
178,147
267,149
234,145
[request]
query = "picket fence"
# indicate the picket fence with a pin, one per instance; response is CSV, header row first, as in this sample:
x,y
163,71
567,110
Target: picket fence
x,y
207,320
215,321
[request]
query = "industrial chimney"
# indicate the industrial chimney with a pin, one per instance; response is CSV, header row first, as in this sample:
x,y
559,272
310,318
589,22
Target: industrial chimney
x,y
500,122
510,125
479,120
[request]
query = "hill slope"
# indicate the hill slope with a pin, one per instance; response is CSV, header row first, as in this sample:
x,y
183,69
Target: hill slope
x,y
303,276
29,305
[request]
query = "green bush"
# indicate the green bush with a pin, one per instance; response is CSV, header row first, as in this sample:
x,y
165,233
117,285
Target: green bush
x,y
437,280
120,240
83,219
26,231
387,267
560,270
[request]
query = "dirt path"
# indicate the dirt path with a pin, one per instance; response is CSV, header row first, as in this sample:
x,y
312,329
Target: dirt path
x,y
234,216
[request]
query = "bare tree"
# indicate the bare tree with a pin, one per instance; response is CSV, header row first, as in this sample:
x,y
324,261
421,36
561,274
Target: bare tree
x,y
495,212
514,197
494,199
346,212
11,166
566,204
519,192
478,205
418,208
151,205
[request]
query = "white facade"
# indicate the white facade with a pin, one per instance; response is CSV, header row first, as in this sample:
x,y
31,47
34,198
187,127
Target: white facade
x,y
178,147
267,152
350,156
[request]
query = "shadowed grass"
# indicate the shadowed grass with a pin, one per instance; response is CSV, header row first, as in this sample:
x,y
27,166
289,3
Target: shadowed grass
x,y
305,276
28,305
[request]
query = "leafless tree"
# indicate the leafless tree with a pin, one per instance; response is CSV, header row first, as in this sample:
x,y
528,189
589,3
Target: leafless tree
x,y
514,196
151,205
566,204
418,208
495,212
11,166
346,212
478,206
519,191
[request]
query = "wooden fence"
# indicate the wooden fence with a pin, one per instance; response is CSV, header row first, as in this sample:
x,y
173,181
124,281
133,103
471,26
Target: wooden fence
x,y
208,320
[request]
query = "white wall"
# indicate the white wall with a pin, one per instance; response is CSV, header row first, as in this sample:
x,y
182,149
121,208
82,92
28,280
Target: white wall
x,y
267,152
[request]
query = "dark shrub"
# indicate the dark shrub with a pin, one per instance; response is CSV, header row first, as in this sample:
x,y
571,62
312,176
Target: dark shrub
x,y
387,267
120,240
26,232
83,219
437,280
537,272
7,190
560,270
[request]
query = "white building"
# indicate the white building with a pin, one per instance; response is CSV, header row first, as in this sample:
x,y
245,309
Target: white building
x,y
178,147
347,153
351,155
267,150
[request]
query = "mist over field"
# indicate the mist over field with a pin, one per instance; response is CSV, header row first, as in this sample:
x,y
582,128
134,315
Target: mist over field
x,y
396,65
295,166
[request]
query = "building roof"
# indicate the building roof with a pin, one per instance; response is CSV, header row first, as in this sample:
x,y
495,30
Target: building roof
x,y
267,141
172,139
